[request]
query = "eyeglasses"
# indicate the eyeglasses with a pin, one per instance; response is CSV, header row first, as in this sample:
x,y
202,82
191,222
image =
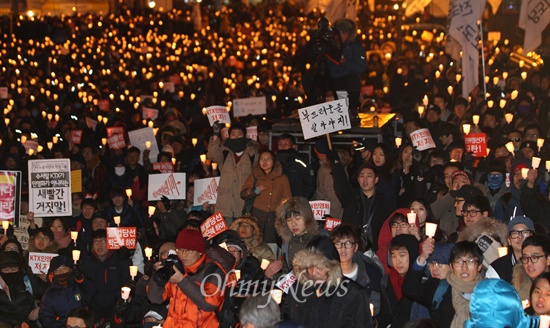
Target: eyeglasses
x,y
347,244
437,265
515,139
470,263
515,234
472,213
266,159
185,251
402,225
100,241
533,259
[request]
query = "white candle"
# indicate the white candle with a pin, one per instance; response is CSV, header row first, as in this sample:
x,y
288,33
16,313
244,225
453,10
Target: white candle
x,y
466,128
148,252
147,144
74,236
223,245
411,217
535,162
510,147
544,321
103,141
117,220
490,103
450,89
203,158
133,271
509,117
264,264
277,295
5,226
151,210
173,161
76,255
430,229
194,141
425,100
398,141
420,110
524,172
371,306
502,251
475,119
129,192
125,293
49,144
540,143
238,274
547,165
214,166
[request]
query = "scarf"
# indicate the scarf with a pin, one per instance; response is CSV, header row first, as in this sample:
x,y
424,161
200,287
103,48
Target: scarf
x,y
396,282
236,145
460,291
62,238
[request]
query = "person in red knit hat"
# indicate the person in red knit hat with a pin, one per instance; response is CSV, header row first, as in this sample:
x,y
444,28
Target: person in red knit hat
x,y
194,295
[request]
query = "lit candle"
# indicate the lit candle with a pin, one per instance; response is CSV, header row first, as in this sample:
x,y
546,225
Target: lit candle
x,y
173,161
50,145
509,117
23,139
147,144
371,306
466,128
425,100
5,226
125,293
420,110
510,147
547,165
214,166
238,274
151,210
194,141
524,75
458,77
103,141
524,172
223,245
203,158
504,75
502,103
490,103
133,271
430,229
150,124
540,143
475,119
488,151
264,264
514,94
411,217
148,252
74,236
76,255
117,220
277,295
502,251
535,162
398,141
450,89
129,192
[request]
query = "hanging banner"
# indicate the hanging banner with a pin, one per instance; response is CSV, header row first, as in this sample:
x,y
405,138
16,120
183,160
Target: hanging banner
x,y
50,187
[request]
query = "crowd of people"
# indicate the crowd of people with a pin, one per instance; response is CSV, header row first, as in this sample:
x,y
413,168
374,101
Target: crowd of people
x,y
486,263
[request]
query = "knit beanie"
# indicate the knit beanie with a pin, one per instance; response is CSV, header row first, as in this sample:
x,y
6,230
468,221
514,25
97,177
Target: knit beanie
x,y
191,240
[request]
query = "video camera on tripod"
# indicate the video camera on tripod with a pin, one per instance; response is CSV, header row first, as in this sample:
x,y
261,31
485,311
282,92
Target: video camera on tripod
x,y
326,41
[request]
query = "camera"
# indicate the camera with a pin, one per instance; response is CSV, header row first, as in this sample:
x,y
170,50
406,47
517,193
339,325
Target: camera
x,y
167,269
326,41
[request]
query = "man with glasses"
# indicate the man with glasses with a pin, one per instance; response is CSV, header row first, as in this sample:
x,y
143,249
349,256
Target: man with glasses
x,y
535,259
105,271
519,228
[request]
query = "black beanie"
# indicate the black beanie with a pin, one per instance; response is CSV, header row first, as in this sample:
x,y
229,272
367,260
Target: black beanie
x,y
325,246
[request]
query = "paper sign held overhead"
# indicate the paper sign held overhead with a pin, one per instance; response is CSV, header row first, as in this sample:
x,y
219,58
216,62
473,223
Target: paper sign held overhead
x,y
249,106
422,139
169,87
217,113
103,105
114,130
206,191
91,124
320,208
252,132
123,236
116,141
3,92
476,143
324,118
171,185
139,137
150,113
213,226
50,187
76,136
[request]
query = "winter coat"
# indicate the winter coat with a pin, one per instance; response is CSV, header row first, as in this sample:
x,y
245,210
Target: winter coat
x,y
504,266
15,307
102,282
424,293
369,276
325,189
129,217
508,205
444,211
170,223
333,308
254,244
534,206
301,176
57,302
521,281
276,183
189,307
233,174
489,235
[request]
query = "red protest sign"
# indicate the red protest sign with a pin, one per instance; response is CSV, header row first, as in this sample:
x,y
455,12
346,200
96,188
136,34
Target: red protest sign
x,y
213,226
114,130
332,223
163,167
476,143
103,105
123,236
116,141
367,90
76,136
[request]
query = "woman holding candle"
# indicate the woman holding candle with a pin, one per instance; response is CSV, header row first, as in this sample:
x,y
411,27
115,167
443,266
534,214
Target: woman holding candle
x,y
267,186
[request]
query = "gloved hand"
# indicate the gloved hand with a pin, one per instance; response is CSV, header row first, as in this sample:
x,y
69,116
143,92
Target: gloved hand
x,y
216,127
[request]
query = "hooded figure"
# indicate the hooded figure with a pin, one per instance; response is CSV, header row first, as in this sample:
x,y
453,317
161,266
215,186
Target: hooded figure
x,y
508,205
322,296
251,234
495,303
63,294
489,234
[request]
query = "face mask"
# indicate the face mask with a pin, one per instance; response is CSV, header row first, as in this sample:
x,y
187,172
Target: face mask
x,y
63,279
236,145
283,155
494,181
119,170
12,278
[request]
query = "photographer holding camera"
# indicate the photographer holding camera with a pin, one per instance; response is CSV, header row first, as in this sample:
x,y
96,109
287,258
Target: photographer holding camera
x,y
199,280
347,73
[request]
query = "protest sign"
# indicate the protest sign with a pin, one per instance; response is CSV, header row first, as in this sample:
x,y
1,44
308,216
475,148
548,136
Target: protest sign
x,y
150,113
171,185
50,187
22,232
206,190
332,223
367,91
320,208
422,139
91,124
121,236
285,282
476,143
163,167
249,106
174,78
10,193
3,92
116,141
324,118
40,262
114,130
169,87
31,144
213,226
103,105
139,137
76,181
76,136
217,113
252,132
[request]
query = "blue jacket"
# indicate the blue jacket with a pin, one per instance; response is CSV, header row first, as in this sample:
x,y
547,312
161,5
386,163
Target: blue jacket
x,y
355,61
57,302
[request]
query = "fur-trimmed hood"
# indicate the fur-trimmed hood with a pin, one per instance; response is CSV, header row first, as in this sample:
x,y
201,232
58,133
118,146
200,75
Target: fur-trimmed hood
x,y
300,205
485,226
307,258
258,238
521,281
